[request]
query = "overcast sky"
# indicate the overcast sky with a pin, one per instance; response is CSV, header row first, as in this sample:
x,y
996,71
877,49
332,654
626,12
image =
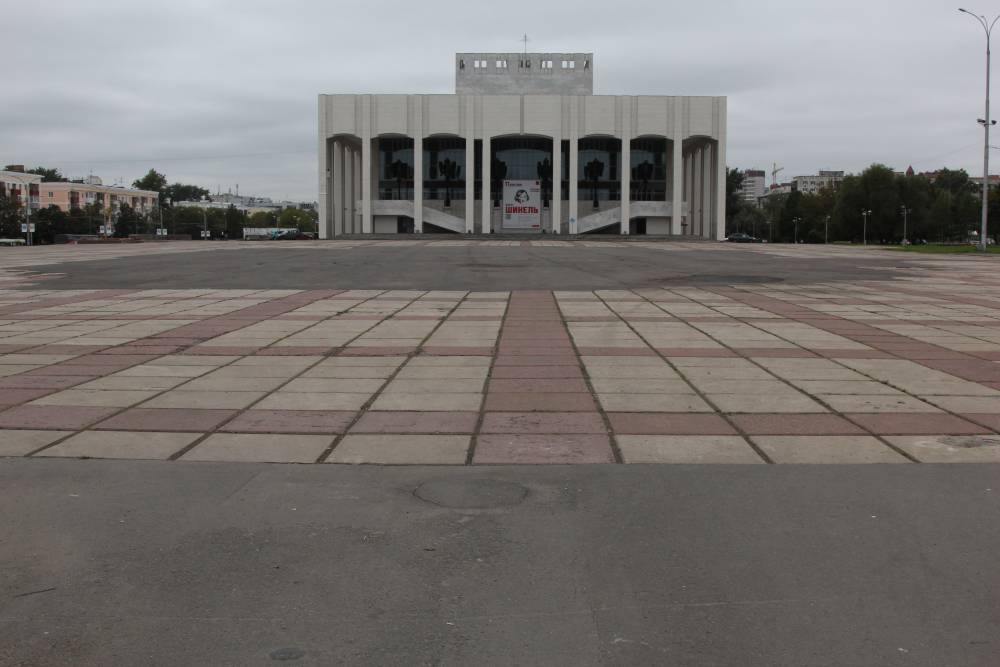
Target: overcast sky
x,y
220,93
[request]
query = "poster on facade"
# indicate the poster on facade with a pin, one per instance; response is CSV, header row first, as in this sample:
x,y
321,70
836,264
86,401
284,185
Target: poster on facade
x,y
522,204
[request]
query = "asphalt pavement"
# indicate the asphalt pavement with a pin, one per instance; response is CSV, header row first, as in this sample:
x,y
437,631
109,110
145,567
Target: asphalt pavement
x,y
123,563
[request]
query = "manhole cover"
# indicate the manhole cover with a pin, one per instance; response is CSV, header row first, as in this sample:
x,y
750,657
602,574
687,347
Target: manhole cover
x,y
471,494
287,654
971,441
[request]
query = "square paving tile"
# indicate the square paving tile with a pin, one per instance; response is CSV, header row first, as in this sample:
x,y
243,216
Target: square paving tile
x,y
798,424
96,398
950,448
544,449
290,400
838,449
669,424
916,424
538,402
9,397
877,404
653,403
19,443
765,403
402,449
253,447
53,416
166,419
399,402
543,422
686,449
291,421
121,445
211,400
417,422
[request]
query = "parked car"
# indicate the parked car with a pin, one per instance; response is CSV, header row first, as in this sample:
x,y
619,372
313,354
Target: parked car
x,y
740,237
293,235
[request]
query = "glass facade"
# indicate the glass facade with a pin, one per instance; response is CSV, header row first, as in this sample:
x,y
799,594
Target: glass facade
x,y
521,158
599,172
649,169
444,168
395,168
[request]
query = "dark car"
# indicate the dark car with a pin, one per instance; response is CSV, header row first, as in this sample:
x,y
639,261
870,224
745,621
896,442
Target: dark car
x,y
294,235
740,237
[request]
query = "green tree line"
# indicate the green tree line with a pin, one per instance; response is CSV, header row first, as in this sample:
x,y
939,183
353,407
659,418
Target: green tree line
x,y
942,209
178,220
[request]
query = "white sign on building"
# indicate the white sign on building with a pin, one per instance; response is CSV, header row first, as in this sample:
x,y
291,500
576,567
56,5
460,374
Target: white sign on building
x,y
522,204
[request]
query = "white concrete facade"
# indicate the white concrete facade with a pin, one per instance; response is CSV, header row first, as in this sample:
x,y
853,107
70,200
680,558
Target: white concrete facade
x,y
690,133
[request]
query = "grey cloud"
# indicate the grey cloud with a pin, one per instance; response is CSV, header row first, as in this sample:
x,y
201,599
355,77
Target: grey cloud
x,y
189,87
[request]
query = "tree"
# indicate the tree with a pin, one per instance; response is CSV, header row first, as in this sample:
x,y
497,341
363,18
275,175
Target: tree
x,y
11,217
734,200
48,175
181,192
153,181
297,218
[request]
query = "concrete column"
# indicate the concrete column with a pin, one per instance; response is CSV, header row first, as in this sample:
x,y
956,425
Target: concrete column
x,y
346,183
337,187
699,192
677,185
626,182
324,184
555,203
356,178
470,183
574,184
367,164
487,195
720,175
418,183
707,191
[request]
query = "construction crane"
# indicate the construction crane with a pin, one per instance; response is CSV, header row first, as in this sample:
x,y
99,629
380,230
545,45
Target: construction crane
x,y
774,175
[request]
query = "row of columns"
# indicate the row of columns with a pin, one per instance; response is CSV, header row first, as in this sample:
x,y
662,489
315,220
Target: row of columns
x,y
694,178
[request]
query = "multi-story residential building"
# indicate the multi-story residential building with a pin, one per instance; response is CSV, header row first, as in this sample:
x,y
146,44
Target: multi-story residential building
x,y
754,185
21,187
523,146
77,194
810,185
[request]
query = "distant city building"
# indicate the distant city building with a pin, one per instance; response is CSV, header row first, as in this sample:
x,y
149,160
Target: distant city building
x,y
248,204
20,187
754,185
77,194
523,146
811,185
994,181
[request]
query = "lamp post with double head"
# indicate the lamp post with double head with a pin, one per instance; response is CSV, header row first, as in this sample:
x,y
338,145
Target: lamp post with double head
x,y
986,122
865,214
795,222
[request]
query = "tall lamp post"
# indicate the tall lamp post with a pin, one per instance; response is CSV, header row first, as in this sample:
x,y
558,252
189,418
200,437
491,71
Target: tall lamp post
x,y
795,222
865,214
906,214
986,123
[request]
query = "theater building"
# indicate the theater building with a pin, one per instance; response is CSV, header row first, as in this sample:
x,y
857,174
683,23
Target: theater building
x,y
523,146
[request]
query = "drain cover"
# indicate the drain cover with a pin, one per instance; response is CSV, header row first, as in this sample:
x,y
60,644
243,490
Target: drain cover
x,y
471,494
287,654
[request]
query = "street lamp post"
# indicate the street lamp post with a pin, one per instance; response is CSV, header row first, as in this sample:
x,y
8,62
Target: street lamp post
x,y
906,214
865,214
986,123
795,222
826,230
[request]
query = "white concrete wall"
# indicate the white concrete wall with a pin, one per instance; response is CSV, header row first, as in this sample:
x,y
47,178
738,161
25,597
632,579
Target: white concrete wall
x,y
363,118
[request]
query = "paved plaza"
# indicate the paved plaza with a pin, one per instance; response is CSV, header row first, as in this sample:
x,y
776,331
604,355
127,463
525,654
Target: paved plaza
x,y
897,361
249,453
